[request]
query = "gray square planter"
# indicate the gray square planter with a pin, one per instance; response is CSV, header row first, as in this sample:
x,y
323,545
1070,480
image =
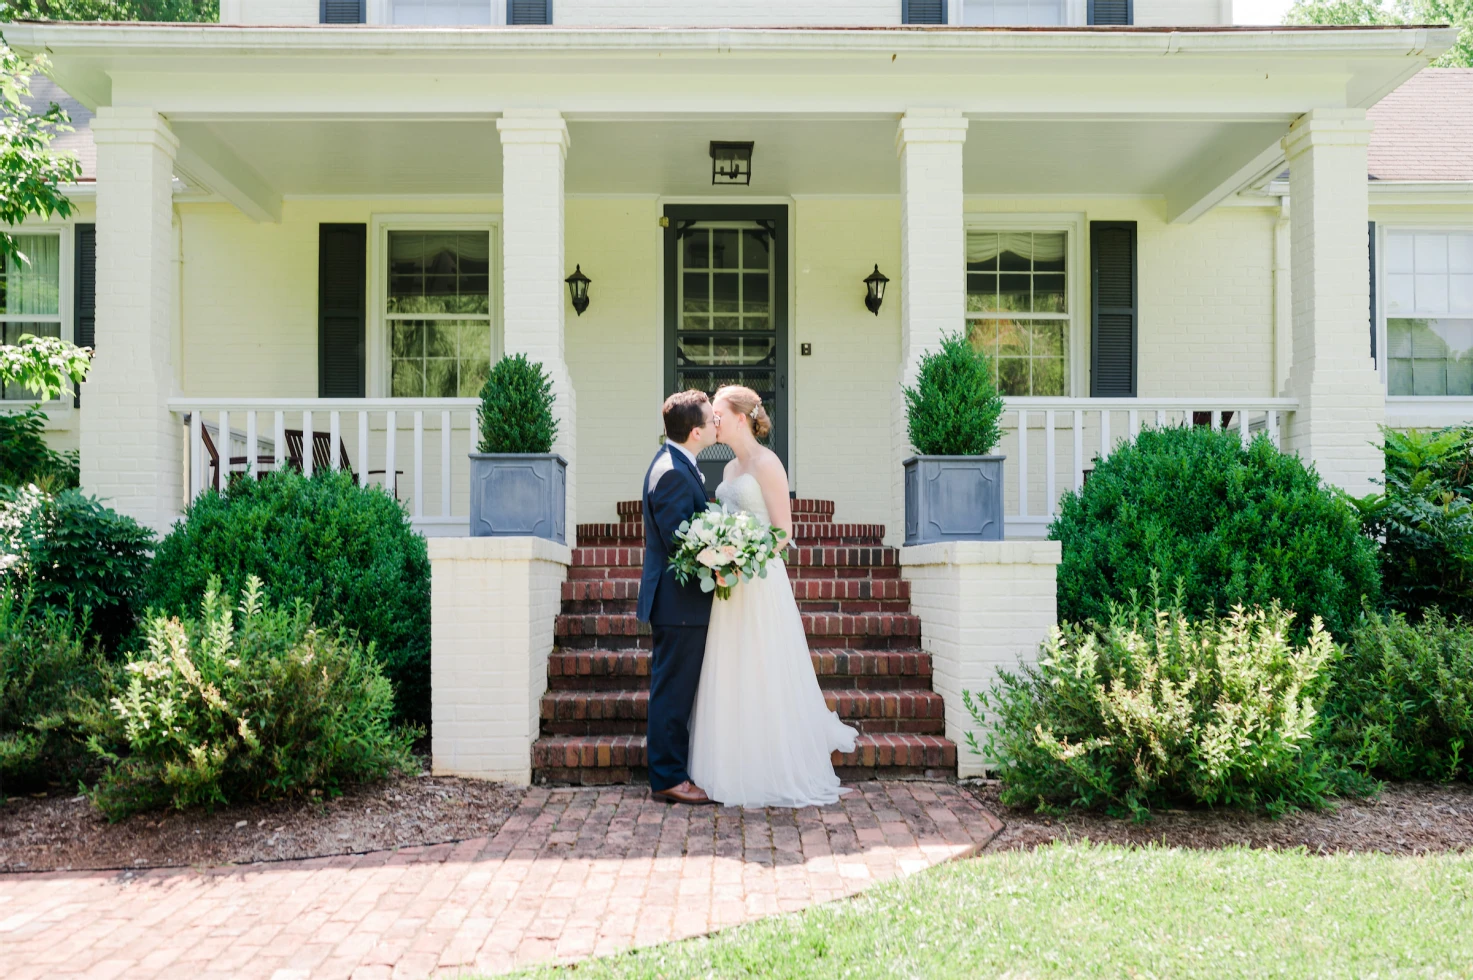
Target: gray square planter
x,y
518,494
953,498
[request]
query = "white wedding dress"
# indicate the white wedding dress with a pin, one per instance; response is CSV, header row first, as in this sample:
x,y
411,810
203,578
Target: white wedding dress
x,y
761,734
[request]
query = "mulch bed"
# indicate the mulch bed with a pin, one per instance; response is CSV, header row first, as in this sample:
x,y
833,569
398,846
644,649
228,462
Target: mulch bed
x,y
58,833
1407,818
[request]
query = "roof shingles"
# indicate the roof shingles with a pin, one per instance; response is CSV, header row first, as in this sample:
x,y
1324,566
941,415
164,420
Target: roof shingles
x,y
1424,130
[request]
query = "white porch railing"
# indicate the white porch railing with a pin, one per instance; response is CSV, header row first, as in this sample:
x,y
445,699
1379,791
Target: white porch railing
x,y
387,442
1052,443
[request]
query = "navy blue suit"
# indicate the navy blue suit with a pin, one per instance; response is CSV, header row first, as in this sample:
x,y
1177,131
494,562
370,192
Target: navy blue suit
x,y
678,615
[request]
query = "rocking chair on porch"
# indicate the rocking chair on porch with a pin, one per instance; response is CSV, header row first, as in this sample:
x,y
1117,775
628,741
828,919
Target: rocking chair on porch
x,y
321,457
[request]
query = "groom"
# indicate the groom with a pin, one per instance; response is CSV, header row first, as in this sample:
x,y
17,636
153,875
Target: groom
x,y
678,614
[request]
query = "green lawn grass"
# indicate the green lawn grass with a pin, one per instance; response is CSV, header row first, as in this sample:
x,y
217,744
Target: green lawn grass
x,y
1085,911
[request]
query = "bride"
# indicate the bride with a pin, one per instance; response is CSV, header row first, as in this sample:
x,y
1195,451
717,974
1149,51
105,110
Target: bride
x,y
761,734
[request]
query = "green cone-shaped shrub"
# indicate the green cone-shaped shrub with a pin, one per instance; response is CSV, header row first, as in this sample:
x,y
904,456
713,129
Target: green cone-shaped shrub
x,y
953,408
516,408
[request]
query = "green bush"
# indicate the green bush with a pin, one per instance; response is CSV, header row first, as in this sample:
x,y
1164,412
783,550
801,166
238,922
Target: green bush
x,y
25,457
75,554
49,672
1401,704
516,408
1424,520
220,709
954,408
1233,525
348,551
1154,710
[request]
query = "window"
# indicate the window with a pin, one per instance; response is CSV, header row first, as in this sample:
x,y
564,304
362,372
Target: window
x,y
1013,13
1018,308
1428,282
438,312
442,13
30,296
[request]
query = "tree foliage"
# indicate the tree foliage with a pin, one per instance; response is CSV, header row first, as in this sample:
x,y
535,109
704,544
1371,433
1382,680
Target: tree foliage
x,y
1458,13
144,10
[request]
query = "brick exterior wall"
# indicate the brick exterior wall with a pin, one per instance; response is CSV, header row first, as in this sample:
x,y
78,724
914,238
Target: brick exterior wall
x,y
984,606
492,606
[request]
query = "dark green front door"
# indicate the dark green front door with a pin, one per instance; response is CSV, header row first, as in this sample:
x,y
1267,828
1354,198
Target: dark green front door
x,y
726,310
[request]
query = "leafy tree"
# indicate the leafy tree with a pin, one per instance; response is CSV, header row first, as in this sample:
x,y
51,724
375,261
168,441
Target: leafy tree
x,y
147,10
1458,13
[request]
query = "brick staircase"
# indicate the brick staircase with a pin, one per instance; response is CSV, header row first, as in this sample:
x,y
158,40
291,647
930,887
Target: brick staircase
x,y
863,638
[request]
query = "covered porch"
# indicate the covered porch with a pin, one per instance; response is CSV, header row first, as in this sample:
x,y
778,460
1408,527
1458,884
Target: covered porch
x,y
1069,198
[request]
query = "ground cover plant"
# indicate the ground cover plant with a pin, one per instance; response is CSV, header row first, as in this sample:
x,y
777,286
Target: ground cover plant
x,y
348,551
243,705
1423,519
1401,701
1071,911
1151,709
1230,524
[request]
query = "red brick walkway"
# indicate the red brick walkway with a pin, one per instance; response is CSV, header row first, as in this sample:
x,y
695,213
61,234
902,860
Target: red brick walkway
x,y
572,873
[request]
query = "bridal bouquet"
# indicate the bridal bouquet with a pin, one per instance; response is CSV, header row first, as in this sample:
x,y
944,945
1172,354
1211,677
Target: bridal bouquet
x,y
723,549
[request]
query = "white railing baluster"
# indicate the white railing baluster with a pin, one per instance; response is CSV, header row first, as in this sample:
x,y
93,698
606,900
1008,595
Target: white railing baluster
x,y
363,449
1078,449
1135,424
1273,427
197,464
1160,418
279,450
1048,451
1243,426
419,464
1022,463
1106,446
391,478
444,464
307,440
222,448
252,452
334,440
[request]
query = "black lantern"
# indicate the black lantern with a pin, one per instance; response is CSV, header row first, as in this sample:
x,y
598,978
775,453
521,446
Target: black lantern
x,y
578,289
874,290
731,163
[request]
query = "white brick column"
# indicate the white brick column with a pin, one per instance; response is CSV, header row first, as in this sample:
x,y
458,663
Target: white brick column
x,y
534,149
132,447
933,276
1341,399
984,606
492,605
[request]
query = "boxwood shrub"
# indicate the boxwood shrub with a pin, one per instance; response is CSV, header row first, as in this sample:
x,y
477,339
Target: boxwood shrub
x,y
348,551
1230,524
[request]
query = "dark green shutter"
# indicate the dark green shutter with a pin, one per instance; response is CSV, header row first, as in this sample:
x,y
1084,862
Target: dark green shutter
x,y
1115,309
342,287
1111,13
84,292
923,11
529,11
1372,226
343,11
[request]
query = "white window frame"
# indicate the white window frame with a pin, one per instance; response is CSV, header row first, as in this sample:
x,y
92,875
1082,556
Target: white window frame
x,y
1076,12
1412,410
66,301
1073,225
378,382
381,12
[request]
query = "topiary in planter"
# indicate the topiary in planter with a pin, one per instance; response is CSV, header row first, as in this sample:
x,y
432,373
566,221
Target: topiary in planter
x,y
516,408
953,488
518,485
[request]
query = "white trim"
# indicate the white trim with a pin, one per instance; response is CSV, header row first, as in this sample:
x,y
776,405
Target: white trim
x,y
1072,223
1438,224
376,357
1427,412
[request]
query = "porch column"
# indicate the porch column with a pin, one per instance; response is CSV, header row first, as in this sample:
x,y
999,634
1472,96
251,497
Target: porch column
x,y
534,148
132,447
933,277
1341,399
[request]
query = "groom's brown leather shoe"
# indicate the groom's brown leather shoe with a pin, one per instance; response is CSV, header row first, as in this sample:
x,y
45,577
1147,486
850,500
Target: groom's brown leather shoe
x,y
686,792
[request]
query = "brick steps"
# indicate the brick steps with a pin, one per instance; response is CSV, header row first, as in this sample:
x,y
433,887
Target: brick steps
x,y
626,711
862,630
811,510
631,534
595,760
584,670
798,557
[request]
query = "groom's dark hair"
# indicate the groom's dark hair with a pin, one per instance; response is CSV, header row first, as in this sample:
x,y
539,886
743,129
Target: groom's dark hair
x,y
684,411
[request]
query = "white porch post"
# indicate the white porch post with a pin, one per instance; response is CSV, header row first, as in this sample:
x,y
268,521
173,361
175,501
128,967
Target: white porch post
x,y
132,447
1341,400
933,278
534,148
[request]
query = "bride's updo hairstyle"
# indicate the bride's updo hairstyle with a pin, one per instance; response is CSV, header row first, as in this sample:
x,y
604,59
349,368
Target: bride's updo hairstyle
x,y
748,403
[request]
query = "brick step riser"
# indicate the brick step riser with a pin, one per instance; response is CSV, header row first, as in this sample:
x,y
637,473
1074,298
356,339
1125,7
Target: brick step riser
x,y
825,642
865,726
799,557
858,607
804,590
820,624
632,510
633,706
627,753
805,573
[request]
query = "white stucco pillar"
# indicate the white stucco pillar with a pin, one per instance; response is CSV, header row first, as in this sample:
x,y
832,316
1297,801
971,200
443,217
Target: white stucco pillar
x,y
933,275
534,149
132,447
1341,399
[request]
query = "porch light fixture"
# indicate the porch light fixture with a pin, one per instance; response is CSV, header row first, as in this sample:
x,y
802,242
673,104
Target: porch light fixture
x,y
731,163
578,289
874,290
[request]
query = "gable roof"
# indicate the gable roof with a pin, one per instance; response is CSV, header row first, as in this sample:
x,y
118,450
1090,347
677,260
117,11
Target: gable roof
x,y
1424,129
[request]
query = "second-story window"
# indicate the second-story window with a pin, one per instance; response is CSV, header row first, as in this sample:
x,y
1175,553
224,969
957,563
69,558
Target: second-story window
x,y
442,13
1013,13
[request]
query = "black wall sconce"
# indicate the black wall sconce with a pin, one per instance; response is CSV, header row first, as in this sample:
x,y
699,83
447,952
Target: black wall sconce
x,y
731,163
874,290
578,289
